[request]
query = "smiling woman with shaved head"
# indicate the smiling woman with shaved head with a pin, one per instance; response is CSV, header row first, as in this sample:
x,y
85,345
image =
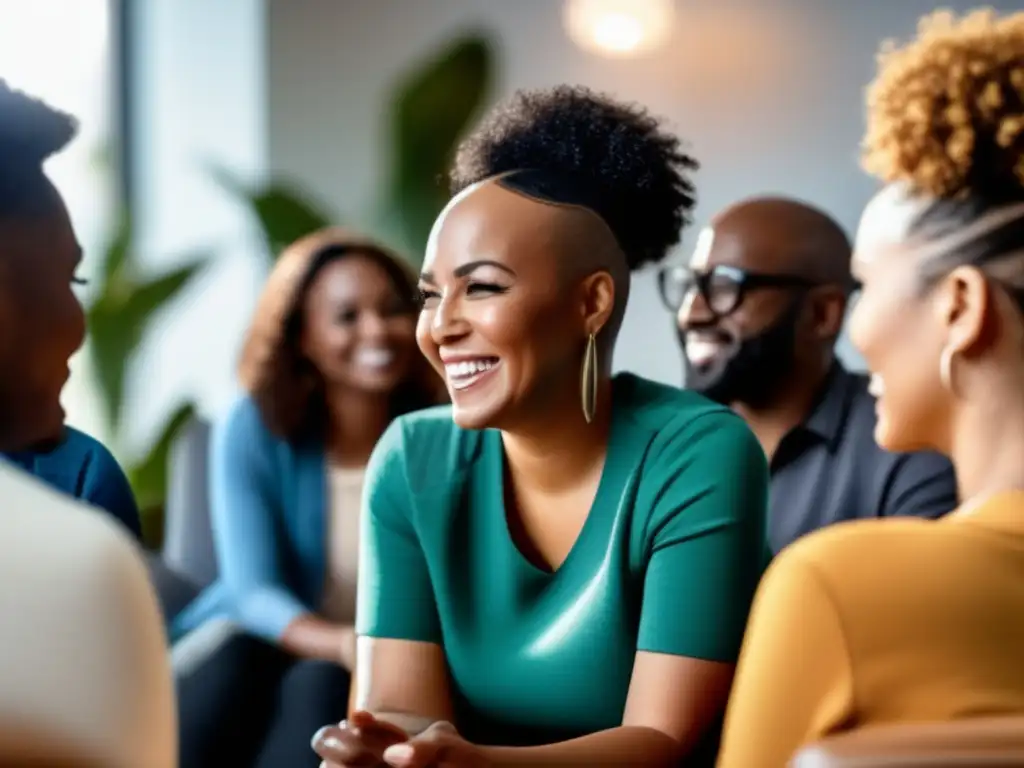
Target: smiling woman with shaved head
x,y
557,568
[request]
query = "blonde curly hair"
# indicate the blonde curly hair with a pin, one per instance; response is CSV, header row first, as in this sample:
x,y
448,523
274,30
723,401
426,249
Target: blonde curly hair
x,y
946,111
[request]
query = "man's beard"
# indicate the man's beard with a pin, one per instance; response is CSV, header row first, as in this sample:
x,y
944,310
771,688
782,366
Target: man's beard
x,y
753,374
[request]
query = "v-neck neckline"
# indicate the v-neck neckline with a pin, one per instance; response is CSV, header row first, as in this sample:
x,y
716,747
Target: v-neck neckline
x,y
607,486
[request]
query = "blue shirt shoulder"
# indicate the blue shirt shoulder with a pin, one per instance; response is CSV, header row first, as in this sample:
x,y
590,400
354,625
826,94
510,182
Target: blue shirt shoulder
x,y
82,467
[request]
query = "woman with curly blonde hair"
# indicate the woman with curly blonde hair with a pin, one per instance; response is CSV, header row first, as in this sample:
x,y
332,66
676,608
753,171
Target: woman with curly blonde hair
x,y
330,360
911,620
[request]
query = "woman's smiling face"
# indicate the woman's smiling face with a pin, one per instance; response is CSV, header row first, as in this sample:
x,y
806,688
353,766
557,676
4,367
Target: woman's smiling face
x,y
500,322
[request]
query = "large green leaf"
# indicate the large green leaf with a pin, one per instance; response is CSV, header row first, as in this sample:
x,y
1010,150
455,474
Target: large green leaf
x,y
150,297
284,215
432,108
148,476
118,319
118,250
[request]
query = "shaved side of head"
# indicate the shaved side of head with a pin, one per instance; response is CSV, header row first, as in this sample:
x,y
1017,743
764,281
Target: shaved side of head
x,y
578,240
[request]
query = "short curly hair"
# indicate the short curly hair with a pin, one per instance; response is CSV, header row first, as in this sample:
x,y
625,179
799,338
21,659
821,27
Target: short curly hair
x,y
30,132
946,111
284,385
620,148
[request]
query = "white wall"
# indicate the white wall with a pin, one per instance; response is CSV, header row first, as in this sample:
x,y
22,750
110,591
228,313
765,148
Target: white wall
x,y
767,92
198,98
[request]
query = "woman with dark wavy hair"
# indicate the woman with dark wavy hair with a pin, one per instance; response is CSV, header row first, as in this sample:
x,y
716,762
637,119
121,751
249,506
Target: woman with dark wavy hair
x,y
329,361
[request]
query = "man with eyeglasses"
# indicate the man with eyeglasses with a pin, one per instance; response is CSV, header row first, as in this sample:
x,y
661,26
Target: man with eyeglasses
x,y
759,308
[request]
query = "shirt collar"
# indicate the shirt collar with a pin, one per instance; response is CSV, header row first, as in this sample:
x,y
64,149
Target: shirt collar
x,y
1002,512
832,405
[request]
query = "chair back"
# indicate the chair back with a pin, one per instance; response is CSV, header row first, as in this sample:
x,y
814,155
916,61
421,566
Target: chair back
x,y
968,743
188,532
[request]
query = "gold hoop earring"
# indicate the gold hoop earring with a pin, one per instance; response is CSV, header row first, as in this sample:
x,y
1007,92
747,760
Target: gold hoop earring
x,y
946,369
588,379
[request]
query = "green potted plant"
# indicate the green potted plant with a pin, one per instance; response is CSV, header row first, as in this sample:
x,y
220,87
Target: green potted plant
x,y
119,317
431,107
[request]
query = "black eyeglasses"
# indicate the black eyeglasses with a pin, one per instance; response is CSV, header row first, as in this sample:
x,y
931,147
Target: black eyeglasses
x,y
722,287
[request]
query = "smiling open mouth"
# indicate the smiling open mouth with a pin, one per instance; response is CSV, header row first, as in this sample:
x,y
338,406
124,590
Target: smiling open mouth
x,y
374,358
705,348
467,373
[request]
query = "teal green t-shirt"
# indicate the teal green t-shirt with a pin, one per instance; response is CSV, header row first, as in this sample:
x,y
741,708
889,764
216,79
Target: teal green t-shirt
x,y
667,561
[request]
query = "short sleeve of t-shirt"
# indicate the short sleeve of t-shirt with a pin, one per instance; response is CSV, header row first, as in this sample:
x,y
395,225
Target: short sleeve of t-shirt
x,y
706,486
395,595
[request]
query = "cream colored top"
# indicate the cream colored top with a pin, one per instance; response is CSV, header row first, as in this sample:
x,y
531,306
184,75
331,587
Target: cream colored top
x,y
345,492
85,677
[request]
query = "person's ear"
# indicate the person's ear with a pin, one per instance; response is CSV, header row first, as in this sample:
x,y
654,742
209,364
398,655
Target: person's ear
x,y
827,311
963,305
597,301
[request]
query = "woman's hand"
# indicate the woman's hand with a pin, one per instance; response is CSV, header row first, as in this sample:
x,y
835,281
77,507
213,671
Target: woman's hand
x,y
440,746
366,741
357,742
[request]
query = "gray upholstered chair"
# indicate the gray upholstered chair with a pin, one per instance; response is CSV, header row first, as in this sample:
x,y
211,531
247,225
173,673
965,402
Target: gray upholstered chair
x,y
188,536
187,561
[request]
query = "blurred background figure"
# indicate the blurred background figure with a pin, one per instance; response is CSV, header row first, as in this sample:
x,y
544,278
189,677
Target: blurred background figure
x,y
759,308
913,621
84,676
329,361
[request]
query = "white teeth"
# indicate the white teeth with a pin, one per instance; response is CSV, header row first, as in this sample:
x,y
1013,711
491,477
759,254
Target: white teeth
x,y
702,350
468,368
466,372
876,386
374,357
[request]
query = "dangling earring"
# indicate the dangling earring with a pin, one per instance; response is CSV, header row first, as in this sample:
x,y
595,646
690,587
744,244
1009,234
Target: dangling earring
x,y
588,379
946,369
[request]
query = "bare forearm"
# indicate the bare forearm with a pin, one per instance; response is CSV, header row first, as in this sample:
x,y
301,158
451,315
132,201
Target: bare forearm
x,y
627,745
312,637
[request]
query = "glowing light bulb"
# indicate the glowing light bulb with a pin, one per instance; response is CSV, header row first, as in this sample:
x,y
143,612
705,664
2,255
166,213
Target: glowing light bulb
x,y
619,27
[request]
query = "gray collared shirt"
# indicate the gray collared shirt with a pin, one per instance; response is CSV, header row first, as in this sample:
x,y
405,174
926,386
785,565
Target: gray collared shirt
x,y
830,469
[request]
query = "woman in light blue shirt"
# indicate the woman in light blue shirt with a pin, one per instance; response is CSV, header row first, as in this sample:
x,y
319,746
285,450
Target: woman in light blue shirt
x,y
329,361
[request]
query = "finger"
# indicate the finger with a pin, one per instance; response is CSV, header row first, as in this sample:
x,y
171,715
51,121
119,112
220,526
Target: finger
x,y
376,735
413,754
362,719
441,727
426,749
341,746
366,722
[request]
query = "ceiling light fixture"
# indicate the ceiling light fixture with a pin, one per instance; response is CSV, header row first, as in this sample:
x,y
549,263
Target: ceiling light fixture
x,y
619,28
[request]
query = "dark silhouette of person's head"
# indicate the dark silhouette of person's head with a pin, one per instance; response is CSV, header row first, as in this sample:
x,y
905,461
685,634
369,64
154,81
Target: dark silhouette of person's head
x,y
940,249
338,313
761,302
558,195
40,316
